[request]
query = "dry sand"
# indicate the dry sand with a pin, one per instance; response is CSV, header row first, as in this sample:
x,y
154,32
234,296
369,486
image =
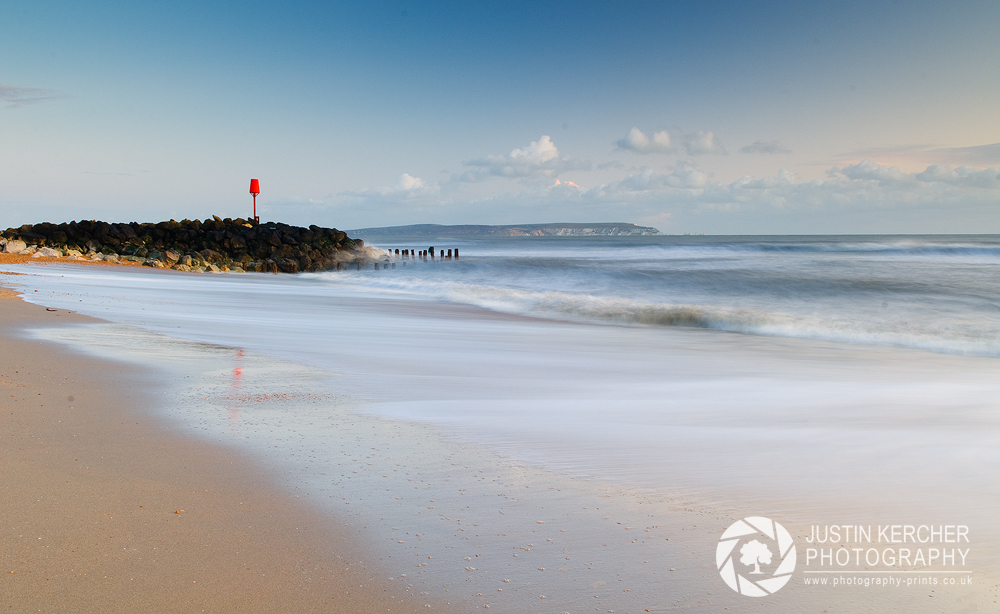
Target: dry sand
x,y
102,509
19,259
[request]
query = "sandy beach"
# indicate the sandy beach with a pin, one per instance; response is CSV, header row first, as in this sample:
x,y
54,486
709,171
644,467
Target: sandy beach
x,y
105,510
176,472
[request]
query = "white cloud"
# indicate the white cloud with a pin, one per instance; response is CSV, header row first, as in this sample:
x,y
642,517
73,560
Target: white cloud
x,y
537,152
682,177
407,187
540,159
866,170
862,197
637,141
702,142
695,143
963,176
784,178
852,197
765,147
406,182
865,184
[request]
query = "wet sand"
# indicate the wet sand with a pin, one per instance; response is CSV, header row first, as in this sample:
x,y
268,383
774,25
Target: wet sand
x,y
102,509
577,545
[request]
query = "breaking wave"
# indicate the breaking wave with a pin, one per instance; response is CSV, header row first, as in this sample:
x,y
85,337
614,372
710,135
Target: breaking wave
x,y
949,336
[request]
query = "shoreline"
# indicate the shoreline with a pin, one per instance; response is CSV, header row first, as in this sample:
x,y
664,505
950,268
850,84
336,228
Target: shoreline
x,y
662,530
104,509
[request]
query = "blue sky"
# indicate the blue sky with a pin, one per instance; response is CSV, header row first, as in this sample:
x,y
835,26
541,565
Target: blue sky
x,y
713,117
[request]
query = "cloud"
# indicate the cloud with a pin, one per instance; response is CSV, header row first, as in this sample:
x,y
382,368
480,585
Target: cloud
x,y
765,147
540,159
866,170
637,141
862,184
962,176
702,142
976,155
406,182
682,177
852,197
694,144
407,187
16,97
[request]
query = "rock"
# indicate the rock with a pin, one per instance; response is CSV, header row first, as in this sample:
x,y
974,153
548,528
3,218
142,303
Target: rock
x,y
181,267
222,243
214,268
47,252
74,253
113,258
15,247
153,262
210,255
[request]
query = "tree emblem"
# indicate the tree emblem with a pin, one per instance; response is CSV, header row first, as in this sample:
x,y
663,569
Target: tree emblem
x,y
754,553
745,537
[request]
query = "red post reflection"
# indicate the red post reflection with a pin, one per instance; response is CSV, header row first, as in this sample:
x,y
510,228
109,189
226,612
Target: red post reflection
x,y
234,388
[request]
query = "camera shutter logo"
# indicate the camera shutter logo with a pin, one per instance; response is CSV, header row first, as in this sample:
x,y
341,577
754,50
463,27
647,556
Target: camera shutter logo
x,y
753,553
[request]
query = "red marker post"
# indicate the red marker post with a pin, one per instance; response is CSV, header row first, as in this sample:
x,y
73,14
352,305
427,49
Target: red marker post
x,y
255,190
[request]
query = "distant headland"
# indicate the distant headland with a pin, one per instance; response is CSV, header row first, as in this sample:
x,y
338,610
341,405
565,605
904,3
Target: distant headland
x,y
602,229
215,244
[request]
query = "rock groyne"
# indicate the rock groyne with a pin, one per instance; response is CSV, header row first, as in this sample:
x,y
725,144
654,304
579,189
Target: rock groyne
x,y
214,244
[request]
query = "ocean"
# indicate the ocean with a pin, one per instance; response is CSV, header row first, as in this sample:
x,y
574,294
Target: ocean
x,y
816,379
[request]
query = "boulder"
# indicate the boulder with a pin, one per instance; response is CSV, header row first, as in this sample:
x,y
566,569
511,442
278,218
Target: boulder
x,y
47,252
15,246
224,243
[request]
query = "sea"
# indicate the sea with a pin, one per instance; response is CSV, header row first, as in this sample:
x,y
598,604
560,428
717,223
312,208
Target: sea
x,y
536,387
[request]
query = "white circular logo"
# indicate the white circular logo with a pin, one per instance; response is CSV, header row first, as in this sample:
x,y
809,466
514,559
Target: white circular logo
x,y
755,556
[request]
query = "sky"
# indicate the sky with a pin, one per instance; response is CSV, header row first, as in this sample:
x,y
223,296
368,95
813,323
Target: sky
x,y
714,117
